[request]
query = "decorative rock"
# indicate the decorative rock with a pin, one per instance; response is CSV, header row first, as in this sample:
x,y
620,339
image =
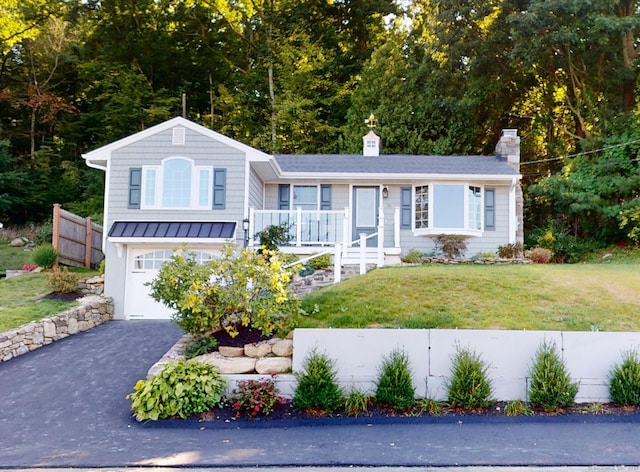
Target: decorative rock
x,y
18,242
72,327
273,365
283,348
229,351
229,365
49,329
257,350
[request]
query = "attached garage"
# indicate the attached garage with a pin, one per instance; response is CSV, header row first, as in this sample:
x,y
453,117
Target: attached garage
x,y
146,246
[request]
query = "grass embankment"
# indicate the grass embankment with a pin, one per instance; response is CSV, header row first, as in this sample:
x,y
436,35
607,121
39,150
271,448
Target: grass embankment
x,y
577,297
13,257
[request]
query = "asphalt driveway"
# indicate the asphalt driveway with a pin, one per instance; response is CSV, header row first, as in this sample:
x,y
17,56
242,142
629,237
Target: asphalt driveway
x,y
64,406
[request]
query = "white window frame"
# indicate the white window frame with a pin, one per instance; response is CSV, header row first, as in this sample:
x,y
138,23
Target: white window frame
x,y
431,230
194,195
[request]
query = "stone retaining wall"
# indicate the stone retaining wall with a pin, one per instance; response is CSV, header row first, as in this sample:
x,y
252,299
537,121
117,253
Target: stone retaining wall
x,y
93,310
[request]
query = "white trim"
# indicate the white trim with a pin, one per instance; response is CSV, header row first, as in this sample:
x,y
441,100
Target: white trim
x,y
389,178
99,157
174,242
513,223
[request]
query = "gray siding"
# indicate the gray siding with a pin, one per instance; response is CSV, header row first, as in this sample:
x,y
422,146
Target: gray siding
x,y
256,191
151,151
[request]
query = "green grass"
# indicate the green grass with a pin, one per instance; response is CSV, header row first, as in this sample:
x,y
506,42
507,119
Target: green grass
x,y
577,297
21,299
13,257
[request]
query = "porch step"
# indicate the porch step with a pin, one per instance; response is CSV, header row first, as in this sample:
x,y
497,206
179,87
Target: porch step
x,y
322,278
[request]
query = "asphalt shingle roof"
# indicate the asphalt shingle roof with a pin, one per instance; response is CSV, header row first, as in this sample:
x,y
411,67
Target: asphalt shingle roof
x,y
394,164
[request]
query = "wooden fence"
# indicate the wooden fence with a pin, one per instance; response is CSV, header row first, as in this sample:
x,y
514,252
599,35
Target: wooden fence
x,y
78,240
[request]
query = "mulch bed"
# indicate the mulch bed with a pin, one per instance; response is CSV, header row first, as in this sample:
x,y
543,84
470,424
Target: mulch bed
x,y
65,297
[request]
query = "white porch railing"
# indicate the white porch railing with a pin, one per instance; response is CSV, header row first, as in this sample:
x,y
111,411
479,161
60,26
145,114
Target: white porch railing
x,y
329,229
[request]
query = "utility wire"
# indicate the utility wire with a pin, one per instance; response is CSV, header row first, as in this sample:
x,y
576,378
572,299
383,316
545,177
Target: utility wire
x,y
551,159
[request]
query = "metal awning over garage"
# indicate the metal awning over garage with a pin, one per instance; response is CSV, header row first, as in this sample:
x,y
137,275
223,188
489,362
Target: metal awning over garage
x,y
219,230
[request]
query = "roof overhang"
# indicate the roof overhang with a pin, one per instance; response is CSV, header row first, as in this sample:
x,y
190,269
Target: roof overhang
x,y
99,158
389,178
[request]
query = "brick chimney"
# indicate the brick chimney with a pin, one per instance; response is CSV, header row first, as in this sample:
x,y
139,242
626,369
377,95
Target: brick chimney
x,y
508,148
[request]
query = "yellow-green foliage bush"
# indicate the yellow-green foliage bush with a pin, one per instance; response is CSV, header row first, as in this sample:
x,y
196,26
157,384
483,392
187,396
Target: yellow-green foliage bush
x,y
247,289
63,281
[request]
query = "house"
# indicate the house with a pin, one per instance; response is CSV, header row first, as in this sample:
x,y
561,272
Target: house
x,y
179,182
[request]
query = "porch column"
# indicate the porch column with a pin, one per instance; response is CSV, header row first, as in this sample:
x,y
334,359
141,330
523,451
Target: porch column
x,y
337,263
299,226
363,253
252,225
396,227
380,262
346,239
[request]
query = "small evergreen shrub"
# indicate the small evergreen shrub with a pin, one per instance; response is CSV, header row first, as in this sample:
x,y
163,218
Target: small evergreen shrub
x,y
102,266
320,262
256,397
517,408
451,246
624,380
395,384
539,255
45,256
511,251
412,257
63,281
356,403
469,385
183,388
199,346
551,387
317,386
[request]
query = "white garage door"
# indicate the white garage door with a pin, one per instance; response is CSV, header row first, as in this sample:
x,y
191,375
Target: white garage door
x,y
144,267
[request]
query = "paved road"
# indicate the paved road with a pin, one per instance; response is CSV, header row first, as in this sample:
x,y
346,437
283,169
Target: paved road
x,y
64,406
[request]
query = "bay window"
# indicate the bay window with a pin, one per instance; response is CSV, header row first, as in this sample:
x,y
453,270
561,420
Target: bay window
x,y
448,208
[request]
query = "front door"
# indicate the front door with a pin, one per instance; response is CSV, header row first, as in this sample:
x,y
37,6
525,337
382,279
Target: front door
x,y
365,213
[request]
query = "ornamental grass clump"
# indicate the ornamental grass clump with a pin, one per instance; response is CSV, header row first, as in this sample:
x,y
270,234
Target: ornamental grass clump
x,y
550,387
624,380
469,385
356,403
317,387
395,383
45,256
183,388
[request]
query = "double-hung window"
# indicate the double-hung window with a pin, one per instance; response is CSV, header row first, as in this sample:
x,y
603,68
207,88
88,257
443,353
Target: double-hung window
x,y
177,184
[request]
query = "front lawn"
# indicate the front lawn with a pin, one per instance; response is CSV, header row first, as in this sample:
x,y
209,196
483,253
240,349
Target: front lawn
x,y
21,299
577,297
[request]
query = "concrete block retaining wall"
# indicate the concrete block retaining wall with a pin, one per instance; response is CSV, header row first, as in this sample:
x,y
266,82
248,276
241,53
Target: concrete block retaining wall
x,y
358,354
92,311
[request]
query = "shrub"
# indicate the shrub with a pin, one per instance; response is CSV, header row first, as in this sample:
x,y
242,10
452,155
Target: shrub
x,y
199,346
317,386
395,384
486,255
451,246
539,255
247,289
44,234
469,385
517,408
556,237
256,397
510,251
551,387
274,236
29,267
430,406
320,262
412,257
356,403
45,256
624,380
102,266
63,281
182,388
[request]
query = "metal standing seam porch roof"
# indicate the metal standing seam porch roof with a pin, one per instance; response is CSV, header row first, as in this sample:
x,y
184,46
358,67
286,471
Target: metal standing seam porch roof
x,y
175,229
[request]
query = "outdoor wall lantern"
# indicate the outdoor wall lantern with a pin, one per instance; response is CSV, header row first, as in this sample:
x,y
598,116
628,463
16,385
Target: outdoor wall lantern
x,y
245,228
385,192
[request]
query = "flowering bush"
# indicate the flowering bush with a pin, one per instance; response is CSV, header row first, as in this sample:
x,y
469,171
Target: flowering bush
x,y
29,267
256,397
246,289
510,251
539,255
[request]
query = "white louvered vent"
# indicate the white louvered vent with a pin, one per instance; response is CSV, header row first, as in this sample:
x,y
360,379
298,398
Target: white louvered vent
x,y
178,136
